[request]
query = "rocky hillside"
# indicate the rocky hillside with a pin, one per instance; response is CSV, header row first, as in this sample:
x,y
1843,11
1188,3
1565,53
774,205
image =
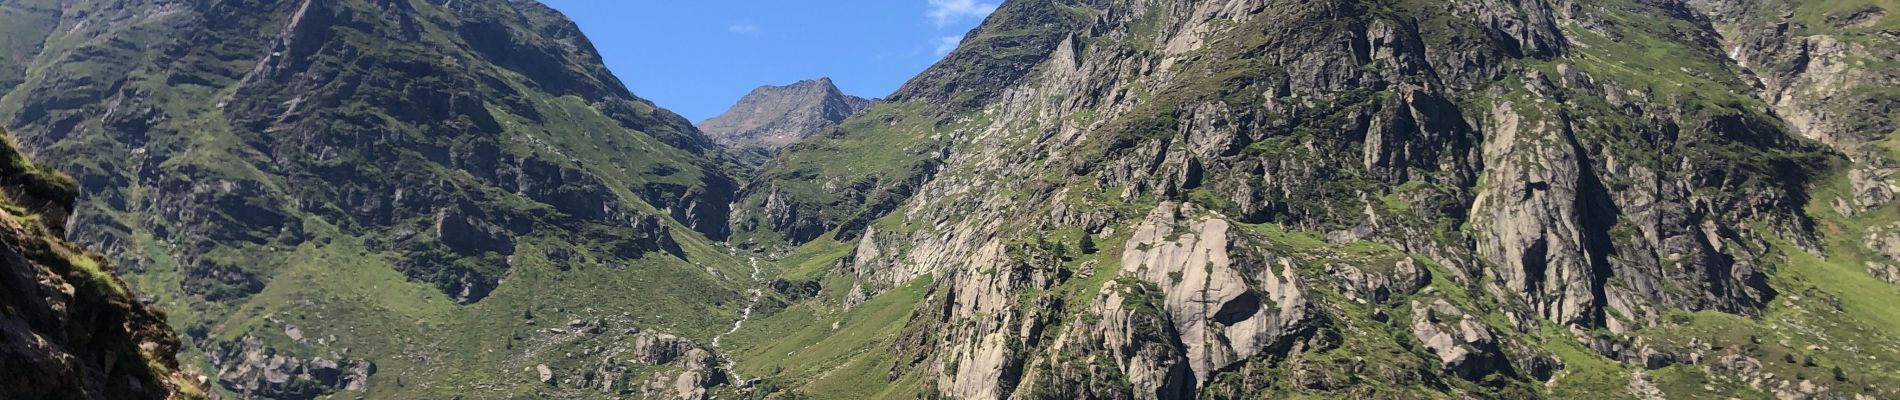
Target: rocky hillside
x,y
69,329
382,198
775,116
1163,199
1117,199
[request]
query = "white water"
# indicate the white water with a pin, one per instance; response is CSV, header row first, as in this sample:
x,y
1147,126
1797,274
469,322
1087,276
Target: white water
x,y
758,293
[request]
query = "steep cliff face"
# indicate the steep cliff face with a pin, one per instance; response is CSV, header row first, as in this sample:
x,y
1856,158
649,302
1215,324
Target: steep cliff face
x,y
69,329
1184,199
772,117
319,189
1827,68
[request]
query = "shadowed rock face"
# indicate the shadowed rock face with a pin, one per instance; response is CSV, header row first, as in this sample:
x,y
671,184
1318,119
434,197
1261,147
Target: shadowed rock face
x,y
68,328
775,116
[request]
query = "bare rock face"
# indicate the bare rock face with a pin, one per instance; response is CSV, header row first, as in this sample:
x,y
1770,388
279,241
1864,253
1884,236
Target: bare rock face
x,y
1813,76
1225,308
1139,340
1536,233
776,116
1464,345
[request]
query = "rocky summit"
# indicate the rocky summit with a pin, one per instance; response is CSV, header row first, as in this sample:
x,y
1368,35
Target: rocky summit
x,y
773,117
1100,199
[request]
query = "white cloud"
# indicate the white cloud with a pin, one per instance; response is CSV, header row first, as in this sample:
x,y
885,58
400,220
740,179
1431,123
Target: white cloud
x,y
947,44
744,28
946,12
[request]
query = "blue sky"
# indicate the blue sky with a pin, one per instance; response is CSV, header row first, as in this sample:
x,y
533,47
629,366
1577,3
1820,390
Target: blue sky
x,y
697,57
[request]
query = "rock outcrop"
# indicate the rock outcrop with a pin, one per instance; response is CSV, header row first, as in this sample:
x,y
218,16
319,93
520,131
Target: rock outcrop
x,y
254,369
609,357
691,372
1225,308
1464,345
695,375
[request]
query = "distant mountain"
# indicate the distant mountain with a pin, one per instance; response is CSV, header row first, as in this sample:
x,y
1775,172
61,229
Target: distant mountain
x,y
776,116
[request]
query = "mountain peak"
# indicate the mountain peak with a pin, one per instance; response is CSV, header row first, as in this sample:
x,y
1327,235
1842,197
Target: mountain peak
x,y
775,116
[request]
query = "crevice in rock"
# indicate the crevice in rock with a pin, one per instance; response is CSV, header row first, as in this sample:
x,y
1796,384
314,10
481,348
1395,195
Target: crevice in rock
x,y
1599,214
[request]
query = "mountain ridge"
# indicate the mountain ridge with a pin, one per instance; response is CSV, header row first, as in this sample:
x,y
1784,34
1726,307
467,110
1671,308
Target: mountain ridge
x,y
773,117
1117,199
317,189
1339,198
